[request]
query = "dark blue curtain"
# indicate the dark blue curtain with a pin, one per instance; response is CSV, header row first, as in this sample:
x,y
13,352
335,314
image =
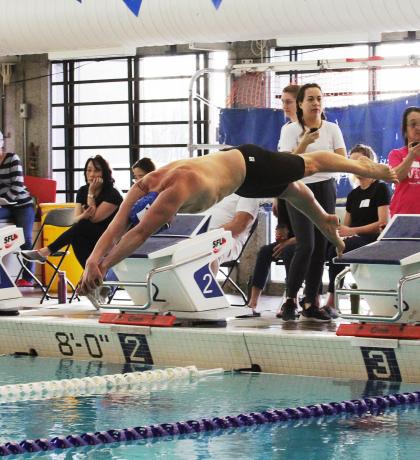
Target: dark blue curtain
x,y
251,126
377,124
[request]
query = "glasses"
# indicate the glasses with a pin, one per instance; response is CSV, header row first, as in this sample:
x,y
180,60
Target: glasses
x,y
413,124
287,102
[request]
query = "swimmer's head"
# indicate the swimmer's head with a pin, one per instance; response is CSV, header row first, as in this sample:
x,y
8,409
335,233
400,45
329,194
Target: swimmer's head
x,y
141,206
364,150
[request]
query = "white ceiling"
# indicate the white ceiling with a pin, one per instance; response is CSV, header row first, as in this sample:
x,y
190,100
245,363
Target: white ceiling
x,y
39,26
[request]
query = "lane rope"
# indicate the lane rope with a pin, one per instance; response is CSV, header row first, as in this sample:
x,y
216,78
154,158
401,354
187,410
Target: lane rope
x,y
374,405
97,384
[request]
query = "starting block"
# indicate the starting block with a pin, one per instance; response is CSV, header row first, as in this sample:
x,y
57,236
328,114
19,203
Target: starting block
x,y
170,273
11,239
388,273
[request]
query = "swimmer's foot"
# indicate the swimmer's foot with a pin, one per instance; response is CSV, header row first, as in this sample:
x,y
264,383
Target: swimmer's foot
x,y
377,171
330,231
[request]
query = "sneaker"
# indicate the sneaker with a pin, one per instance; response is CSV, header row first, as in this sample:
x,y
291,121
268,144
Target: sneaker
x,y
288,311
332,312
313,313
24,283
34,256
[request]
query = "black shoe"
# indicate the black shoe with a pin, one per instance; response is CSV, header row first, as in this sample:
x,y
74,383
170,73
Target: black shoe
x,y
288,311
33,255
313,313
332,312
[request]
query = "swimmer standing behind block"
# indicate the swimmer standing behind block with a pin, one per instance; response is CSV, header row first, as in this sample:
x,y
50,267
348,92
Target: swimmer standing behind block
x,y
195,184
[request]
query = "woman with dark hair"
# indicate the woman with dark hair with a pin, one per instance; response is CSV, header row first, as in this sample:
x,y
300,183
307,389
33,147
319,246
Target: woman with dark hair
x,y
406,162
97,202
16,202
142,167
310,133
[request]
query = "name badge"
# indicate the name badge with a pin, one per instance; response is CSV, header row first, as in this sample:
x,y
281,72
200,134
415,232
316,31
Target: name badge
x,y
364,203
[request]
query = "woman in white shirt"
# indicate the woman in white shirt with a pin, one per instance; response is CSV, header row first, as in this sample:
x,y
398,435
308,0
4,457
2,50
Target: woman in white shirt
x,y
311,132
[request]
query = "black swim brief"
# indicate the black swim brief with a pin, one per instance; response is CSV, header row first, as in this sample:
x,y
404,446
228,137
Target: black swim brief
x,y
268,173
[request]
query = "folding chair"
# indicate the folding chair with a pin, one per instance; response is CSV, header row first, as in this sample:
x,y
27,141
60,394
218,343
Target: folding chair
x,y
230,265
62,217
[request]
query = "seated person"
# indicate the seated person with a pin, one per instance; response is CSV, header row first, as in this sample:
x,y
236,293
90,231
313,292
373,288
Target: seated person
x,y
367,212
97,202
236,214
21,208
283,247
142,167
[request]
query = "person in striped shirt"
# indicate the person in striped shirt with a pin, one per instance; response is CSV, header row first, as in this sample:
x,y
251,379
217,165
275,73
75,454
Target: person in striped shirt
x,y
17,202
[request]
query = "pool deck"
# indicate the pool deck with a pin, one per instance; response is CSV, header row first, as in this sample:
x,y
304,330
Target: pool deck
x,y
72,331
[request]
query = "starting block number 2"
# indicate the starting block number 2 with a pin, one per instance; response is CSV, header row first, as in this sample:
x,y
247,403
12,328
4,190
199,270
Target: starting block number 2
x,y
209,287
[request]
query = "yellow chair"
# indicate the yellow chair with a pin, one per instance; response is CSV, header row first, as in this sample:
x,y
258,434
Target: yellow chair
x,y
58,218
70,264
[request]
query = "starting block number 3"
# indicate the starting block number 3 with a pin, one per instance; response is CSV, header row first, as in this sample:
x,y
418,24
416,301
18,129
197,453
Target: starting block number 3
x,y
209,287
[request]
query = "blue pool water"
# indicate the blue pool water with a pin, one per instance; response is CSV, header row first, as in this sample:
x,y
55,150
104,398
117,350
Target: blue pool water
x,y
393,435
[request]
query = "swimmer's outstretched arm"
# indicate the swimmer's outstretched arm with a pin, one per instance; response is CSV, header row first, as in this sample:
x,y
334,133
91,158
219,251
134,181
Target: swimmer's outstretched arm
x,y
116,244
94,271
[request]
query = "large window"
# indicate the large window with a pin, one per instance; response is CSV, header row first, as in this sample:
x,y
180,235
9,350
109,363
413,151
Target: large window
x,y
349,87
122,109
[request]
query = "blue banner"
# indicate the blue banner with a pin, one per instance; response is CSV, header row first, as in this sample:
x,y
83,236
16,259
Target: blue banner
x,y
217,3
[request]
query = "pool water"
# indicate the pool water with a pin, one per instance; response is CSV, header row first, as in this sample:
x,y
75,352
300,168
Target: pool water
x,y
393,435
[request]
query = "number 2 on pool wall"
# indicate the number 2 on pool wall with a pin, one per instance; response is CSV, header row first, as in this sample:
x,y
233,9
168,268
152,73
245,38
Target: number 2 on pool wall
x,y
381,364
135,348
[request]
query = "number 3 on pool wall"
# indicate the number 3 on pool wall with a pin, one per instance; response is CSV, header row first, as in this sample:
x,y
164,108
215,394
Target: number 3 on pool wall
x,y
381,364
206,282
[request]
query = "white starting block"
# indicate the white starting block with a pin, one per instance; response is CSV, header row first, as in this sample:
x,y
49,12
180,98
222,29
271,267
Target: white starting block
x,y
170,272
388,273
11,238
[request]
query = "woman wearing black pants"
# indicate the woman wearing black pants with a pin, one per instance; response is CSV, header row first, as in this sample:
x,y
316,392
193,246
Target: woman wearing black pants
x,y
311,132
97,202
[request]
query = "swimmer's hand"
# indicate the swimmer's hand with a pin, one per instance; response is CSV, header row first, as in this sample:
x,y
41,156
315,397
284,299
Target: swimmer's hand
x,y
92,278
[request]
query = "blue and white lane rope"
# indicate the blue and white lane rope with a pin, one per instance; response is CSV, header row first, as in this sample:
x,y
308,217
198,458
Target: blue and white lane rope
x,y
374,405
98,384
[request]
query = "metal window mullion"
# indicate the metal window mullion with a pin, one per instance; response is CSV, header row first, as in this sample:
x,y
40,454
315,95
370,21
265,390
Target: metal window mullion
x,y
69,129
130,107
372,76
198,105
206,120
136,112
